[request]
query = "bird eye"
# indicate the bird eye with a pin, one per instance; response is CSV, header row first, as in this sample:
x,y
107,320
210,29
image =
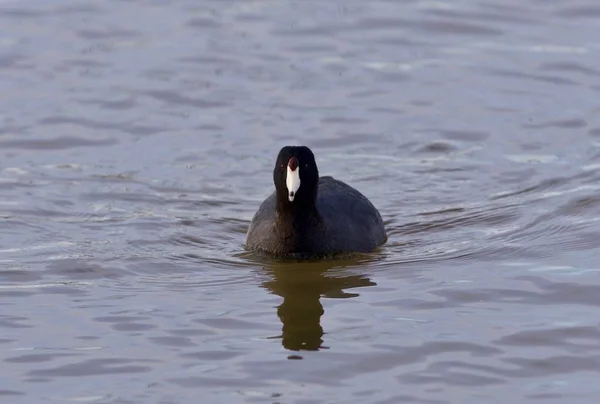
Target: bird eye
x,y
306,165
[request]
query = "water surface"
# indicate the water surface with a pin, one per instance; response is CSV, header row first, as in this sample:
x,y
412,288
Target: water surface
x,y
137,140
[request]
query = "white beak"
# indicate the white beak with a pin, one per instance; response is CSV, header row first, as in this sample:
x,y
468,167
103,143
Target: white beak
x,y
292,181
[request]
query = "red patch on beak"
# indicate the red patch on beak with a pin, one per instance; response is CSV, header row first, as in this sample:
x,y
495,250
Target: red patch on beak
x,y
293,163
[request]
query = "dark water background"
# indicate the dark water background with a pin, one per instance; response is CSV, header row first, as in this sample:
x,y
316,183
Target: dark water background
x,y
137,139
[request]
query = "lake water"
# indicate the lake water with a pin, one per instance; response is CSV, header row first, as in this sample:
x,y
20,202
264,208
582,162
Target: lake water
x,y
137,139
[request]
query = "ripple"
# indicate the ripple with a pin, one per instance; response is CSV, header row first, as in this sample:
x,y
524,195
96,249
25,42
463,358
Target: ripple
x,y
564,124
496,14
58,143
11,393
437,147
173,341
38,358
438,26
171,97
203,22
572,337
581,11
560,81
94,367
109,34
570,67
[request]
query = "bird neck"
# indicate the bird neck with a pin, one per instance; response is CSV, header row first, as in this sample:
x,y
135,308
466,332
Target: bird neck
x,y
297,211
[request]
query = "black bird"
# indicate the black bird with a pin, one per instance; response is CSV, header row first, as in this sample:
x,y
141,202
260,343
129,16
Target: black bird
x,y
310,216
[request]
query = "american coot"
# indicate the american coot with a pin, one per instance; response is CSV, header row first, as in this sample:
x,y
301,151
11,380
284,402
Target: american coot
x,y
310,216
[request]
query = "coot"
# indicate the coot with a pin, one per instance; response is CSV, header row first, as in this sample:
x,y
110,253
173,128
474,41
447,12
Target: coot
x,y
309,216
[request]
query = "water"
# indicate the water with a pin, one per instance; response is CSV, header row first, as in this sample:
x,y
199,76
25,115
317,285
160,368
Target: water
x,y
137,139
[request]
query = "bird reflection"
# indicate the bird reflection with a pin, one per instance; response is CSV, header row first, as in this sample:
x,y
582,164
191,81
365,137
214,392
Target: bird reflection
x,y
301,285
